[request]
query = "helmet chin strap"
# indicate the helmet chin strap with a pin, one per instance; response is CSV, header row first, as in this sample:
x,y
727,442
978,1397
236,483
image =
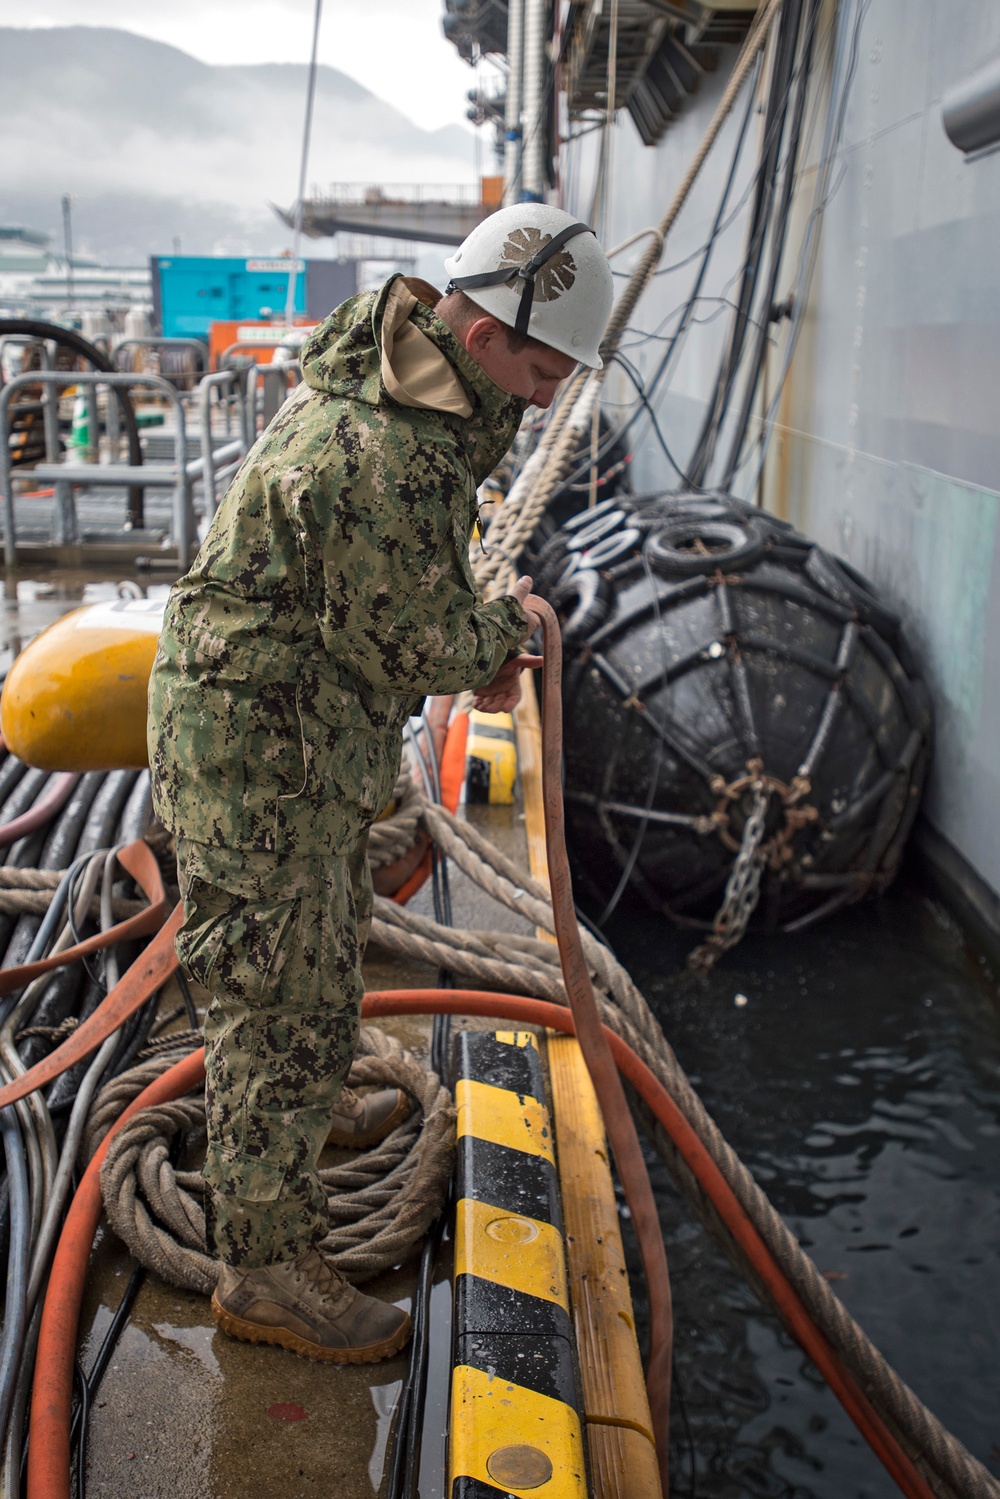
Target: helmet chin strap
x,y
524,273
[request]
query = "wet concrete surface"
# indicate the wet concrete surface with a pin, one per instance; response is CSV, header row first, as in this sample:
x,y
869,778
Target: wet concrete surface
x,y
186,1411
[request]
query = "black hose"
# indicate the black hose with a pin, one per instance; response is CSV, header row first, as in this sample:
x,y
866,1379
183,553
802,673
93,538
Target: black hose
x,y
58,1002
60,850
106,810
11,772
24,795
18,1263
760,343
59,847
777,106
138,811
66,1085
35,328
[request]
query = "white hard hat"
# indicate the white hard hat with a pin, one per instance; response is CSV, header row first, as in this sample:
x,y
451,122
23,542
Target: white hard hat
x,y
542,273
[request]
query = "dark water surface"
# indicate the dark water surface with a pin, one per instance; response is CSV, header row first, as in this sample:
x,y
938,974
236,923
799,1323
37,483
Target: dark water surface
x,y
860,1083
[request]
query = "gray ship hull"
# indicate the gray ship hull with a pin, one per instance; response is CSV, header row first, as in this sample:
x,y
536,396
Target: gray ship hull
x,y
884,444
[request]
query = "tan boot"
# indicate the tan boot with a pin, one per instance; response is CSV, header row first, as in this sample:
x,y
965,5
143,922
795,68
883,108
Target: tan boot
x,y
360,1120
307,1305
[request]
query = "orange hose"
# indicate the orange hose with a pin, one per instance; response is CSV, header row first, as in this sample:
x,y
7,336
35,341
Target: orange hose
x,y
150,970
618,1122
52,1389
49,1458
451,775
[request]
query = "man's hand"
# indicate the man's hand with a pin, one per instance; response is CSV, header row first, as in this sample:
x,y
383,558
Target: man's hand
x,y
503,694
521,590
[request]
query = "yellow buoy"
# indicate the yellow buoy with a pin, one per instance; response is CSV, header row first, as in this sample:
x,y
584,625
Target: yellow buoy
x,y
75,698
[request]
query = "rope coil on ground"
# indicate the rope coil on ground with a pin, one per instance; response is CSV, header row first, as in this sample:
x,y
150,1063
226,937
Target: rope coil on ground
x,y
381,1202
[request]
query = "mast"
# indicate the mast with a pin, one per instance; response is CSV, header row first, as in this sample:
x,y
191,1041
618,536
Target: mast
x,y
512,108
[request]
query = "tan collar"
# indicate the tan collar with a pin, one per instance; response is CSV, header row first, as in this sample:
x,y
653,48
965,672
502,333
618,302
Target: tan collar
x,y
414,371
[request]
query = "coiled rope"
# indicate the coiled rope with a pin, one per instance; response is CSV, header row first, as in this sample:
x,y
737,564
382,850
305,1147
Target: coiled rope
x,y
381,1203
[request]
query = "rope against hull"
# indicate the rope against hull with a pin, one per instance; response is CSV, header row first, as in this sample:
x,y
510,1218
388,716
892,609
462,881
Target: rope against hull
x,y
515,520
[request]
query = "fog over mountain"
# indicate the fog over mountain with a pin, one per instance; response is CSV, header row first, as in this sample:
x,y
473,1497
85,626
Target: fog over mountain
x,y
155,145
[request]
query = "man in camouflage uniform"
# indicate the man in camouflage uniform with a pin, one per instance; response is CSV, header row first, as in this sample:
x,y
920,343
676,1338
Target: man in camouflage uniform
x,y
332,594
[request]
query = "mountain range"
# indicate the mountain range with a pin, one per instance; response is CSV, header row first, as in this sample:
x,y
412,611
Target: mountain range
x,y
155,146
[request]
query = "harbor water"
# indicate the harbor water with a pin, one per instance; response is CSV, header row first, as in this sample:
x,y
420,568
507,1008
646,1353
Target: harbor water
x,y
856,1070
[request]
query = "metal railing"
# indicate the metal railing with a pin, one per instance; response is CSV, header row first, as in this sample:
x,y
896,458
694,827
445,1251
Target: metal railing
x,y
178,476
254,346
50,395
247,399
156,342
399,192
268,388
171,367
231,454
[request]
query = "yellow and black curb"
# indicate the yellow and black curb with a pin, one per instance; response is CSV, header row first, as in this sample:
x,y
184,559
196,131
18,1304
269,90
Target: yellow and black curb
x,y
515,1411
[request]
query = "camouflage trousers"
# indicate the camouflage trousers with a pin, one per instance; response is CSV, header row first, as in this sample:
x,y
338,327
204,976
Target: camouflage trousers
x,y
278,945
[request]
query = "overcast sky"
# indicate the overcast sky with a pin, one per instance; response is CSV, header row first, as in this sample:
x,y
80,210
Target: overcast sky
x,y
394,47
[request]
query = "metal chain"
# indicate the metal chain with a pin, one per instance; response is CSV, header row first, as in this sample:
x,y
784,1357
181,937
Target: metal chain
x,y
742,890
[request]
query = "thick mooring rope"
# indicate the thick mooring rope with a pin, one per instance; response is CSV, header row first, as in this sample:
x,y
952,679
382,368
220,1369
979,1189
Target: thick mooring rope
x,y
29,892
381,1202
513,522
952,1471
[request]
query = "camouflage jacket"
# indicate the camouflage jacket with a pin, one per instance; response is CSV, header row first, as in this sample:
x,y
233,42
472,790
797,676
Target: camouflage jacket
x,y
333,590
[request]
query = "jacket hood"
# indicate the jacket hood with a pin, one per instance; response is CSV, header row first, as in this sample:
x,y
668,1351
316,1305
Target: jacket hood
x,y
390,347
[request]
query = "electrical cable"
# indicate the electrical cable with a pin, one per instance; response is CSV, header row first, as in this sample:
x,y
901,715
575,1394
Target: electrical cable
x,y
757,227
645,392
91,1383
758,351
404,1465
80,1380
833,133
15,1312
626,364
38,1146
615,435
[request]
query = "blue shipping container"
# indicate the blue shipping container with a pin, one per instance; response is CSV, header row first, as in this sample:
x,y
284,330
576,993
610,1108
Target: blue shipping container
x,y
193,291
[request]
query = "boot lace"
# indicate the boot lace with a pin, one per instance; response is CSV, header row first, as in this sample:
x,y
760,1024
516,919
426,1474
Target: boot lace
x,y
324,1275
